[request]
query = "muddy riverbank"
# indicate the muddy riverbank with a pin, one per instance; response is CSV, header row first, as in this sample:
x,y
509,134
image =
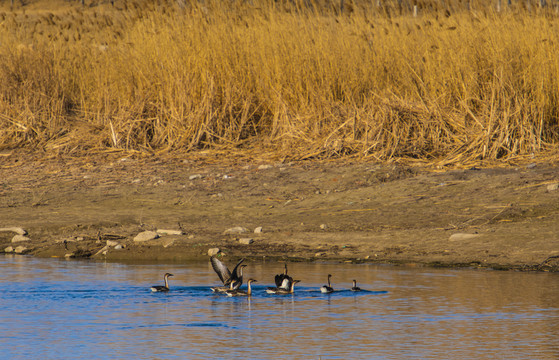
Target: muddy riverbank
x,y
312,210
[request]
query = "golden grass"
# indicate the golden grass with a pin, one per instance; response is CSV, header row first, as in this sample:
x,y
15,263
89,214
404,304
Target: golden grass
x,y
294,81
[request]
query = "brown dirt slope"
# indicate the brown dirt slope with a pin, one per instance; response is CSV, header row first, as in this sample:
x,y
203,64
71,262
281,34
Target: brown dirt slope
x,y
335,210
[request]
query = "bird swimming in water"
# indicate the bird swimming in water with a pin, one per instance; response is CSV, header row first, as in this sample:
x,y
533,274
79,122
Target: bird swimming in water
x,y
231,280
326,289
165,287
280,279
233,285
239,292
283,286
283,281
355,287
282,291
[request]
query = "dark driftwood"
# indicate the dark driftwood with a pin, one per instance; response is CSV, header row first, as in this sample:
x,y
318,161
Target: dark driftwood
x,y
546,260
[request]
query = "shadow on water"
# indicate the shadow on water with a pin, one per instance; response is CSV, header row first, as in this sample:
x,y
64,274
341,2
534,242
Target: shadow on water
x,y
154,326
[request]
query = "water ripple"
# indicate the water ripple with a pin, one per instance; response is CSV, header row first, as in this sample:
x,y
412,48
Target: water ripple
x,y
68,310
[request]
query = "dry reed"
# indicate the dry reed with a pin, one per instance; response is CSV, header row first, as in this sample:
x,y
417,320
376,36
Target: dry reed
x,y
292,79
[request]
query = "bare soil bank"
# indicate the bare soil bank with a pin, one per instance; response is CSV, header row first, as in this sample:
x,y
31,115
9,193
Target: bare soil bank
x,y
335,210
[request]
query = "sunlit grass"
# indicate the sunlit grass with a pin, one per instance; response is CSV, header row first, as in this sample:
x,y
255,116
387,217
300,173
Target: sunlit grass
x,y
283,79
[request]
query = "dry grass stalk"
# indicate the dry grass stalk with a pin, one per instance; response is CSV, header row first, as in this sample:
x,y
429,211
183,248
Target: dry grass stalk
x,y
299,81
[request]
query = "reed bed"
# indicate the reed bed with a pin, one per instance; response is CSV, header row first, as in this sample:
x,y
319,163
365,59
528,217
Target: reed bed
x,y
287,79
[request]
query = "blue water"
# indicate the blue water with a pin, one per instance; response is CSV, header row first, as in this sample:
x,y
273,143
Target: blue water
x,y
59,309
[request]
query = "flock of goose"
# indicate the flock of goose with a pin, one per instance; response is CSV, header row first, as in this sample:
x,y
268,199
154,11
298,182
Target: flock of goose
x,y
232,281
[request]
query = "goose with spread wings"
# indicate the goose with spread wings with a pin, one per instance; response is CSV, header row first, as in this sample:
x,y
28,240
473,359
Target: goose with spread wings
x,y
283,281
280,279
231,280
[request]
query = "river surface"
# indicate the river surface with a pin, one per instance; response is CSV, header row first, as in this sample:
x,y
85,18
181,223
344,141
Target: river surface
x,y
62,309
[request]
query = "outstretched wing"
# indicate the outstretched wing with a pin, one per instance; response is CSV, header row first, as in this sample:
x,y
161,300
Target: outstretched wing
x,y
221,270
236,279
235,273
279,279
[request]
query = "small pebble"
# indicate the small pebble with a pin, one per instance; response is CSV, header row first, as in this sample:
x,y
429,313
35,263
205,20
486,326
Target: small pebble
x,y
213,251
258,230
68,255
20,249
119,247
462,236
20,238
246,241
235,230
318,254
17,230
194,177
265,167
112,243
9,249
323,226
145,236
169,232
552,187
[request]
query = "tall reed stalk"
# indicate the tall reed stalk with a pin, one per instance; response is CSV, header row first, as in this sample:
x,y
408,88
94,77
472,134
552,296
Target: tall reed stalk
x,y
291,79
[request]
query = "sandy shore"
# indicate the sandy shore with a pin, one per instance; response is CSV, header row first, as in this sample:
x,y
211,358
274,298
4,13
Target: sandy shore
x,y
505,218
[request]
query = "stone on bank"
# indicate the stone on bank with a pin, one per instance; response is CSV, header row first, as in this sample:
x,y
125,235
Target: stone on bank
x,y
146,236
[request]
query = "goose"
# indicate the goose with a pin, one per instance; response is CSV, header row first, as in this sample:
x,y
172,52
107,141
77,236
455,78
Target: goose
x,y
280,279
285,285
326,289
165,287
283,281
231,280
234,285
239,292
282,291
